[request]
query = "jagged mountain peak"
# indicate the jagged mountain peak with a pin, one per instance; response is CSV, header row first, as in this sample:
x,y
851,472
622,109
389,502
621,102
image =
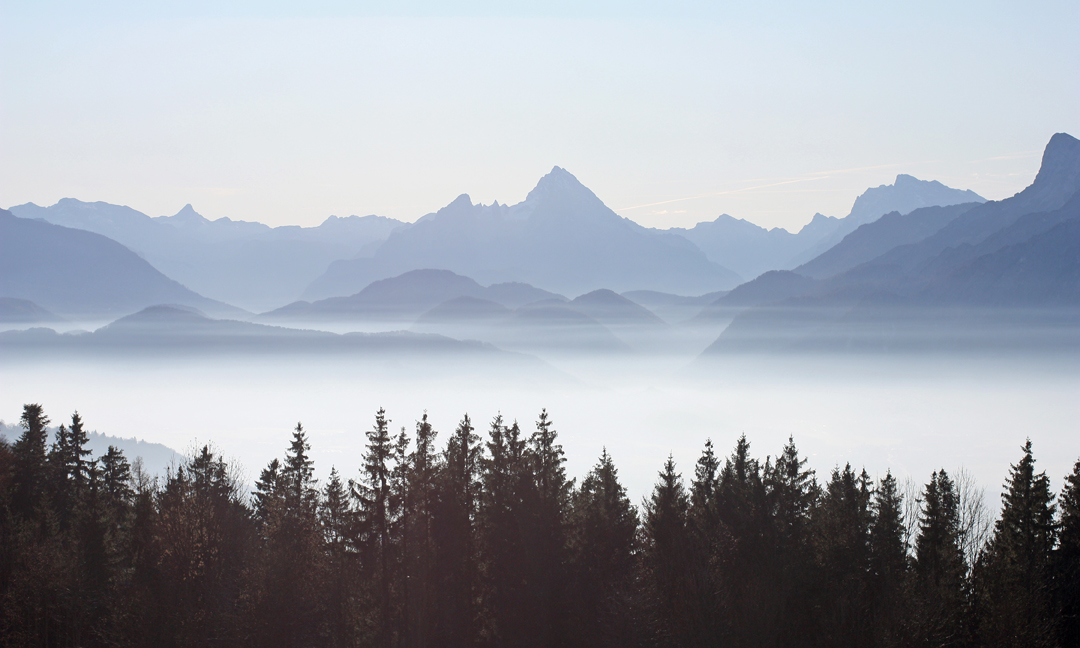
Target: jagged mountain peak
x,y
906,194
562,187
188,213
461,201
1060,167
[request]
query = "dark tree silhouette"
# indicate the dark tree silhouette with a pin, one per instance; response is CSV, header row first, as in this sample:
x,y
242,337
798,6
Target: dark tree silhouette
x,y
1067,567
939,565
1016,576
491,544
603,554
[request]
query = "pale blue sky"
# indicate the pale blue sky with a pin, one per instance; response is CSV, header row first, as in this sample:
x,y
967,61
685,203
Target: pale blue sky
x,y
674,113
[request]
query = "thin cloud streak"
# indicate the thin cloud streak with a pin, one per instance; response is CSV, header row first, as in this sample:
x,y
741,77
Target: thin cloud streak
x,y
1009,156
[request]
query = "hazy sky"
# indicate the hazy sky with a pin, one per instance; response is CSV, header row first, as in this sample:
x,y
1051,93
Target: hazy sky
x,y
769,111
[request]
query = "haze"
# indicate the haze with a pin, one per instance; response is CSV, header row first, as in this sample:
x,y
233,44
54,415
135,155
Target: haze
x,y
284,115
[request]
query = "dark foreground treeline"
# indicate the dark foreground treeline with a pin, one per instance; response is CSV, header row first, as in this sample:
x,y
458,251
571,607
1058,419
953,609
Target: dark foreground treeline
x,y
487,543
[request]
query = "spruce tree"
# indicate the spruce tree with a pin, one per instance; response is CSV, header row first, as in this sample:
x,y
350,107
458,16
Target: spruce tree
x,y
68,470
268,490
284,593
1017,609
888,562
843,526
30,471
454,518
546,547
938,588
791,493
741,557
1067,567
202,543
337,523
115,473
604,550
505,512
418,546
704,536
376,507
667,577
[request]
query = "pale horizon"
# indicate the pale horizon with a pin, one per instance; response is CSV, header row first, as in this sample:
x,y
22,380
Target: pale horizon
x,y
286,115
663,214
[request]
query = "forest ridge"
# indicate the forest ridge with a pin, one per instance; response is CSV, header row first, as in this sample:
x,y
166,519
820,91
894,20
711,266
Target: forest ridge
x,y
488,542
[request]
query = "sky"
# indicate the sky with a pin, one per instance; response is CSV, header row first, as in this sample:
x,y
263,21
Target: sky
x,y
672,113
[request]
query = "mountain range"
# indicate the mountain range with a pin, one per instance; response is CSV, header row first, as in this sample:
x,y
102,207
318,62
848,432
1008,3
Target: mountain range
x,y
561,237
751,250
82,274
250,265
546,274
953,274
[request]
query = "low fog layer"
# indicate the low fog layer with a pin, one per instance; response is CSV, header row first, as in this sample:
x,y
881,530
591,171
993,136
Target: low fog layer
x,y
908,415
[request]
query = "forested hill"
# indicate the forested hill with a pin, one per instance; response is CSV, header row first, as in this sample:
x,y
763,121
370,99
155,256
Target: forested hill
x,y
487,542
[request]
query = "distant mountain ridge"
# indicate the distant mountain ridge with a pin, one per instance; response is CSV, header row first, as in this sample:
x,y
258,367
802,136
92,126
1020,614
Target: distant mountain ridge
x,y
405,297
878,237
751,250
561,238
983,272
80,274
244,263
24,311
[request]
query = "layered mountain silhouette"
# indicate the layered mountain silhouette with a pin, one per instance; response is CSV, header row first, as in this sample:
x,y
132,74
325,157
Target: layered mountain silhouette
x,y
874,239
561,238
904,196
986,271
24,311
912,259
178,329
405,297
79,274
248,264
751,250
674,309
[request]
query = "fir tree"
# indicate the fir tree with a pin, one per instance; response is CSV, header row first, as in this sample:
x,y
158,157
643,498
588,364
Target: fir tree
x,y
418,553
284,588
704,540
604,547
202,541
337,523
376,507
791,493
888,562
741,555
666,560
843,522
505,524
30,454
456,559
1067,567
115,473
268,490
546,549
1017,580
939,566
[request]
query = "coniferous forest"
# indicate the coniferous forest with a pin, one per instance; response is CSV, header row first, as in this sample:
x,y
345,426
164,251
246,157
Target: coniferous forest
x,y
481,539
